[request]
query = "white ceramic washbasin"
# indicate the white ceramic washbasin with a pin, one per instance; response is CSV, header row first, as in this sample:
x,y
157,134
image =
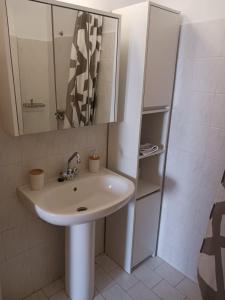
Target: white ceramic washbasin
x,y
87,198
77,205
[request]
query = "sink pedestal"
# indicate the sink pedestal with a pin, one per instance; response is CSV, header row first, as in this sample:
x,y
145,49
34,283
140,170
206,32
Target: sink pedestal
x,y
80,261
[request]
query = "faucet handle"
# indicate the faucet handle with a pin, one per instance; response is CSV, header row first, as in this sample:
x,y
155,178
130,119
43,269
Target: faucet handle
x,y
75,171
69,171
78,158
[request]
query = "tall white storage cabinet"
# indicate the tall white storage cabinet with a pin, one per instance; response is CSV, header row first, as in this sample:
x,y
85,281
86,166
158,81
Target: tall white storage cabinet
x,y
150,36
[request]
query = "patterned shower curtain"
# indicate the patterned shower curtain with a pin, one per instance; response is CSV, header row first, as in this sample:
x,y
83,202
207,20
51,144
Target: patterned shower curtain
x,y
84,69
211,272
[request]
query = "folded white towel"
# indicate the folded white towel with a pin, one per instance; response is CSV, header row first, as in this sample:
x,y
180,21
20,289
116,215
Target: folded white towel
x,y
148,148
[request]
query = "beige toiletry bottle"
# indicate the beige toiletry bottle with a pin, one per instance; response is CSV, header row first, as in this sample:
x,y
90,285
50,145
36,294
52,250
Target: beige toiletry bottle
x,y
94,162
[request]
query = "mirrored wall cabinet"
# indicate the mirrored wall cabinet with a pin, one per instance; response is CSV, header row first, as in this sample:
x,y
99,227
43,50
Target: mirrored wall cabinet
x,y
59,66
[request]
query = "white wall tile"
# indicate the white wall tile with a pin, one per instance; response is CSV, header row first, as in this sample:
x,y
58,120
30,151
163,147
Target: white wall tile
x,y
16,277
12,213
210,37
206,72
218,119
185,73
188,41
216,144
36,146
2,252
11,178
223,48
15,241
198,108
10,150
220,87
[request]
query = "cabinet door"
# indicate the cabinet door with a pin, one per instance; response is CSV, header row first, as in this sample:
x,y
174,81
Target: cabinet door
x,y
146,227
161,57
30,31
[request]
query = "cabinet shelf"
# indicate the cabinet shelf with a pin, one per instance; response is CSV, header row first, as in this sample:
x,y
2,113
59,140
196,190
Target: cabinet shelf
x,y
156,110
146,188
160,151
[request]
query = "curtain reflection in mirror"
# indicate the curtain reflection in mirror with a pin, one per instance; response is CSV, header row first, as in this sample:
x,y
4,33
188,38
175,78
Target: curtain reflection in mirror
x,y
84,69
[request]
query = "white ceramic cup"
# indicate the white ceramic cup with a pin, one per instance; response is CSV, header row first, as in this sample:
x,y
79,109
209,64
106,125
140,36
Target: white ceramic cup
x,y
94,165
37,179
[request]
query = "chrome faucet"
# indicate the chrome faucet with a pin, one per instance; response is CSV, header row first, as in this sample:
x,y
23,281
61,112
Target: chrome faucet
x,y
70,172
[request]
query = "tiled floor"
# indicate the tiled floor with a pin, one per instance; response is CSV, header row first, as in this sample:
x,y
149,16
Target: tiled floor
x,y
153,280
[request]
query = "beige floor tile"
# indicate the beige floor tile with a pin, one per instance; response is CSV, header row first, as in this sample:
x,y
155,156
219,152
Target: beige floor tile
x,y
98,297
167,292
106,263
190,289
37,296
102,279
154,262
170,274
53,288
123,279
59,296
116,293
147,276
141,292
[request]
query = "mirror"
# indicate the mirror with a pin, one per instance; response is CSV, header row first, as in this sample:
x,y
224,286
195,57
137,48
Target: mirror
x,y
30,30
64,66
85,61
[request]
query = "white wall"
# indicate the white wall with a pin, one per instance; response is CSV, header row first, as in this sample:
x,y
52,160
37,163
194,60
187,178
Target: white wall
x,y
196,158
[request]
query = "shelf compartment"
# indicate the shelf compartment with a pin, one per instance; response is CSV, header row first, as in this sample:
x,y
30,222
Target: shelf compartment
x,y
156,110
146,188
154,130
150,174
158,152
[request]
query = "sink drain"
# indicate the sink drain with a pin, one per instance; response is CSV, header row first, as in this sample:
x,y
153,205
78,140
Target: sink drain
x,y
81,209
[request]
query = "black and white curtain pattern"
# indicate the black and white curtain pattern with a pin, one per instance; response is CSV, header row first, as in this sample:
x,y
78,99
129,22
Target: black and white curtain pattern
x,y
211,271
84,69
95,42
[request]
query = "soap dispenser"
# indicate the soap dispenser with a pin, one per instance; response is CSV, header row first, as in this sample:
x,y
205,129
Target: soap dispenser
x,y
94,162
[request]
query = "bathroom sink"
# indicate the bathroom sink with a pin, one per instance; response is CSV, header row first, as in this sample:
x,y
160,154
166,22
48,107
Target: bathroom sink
x,y
87,198
77,205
